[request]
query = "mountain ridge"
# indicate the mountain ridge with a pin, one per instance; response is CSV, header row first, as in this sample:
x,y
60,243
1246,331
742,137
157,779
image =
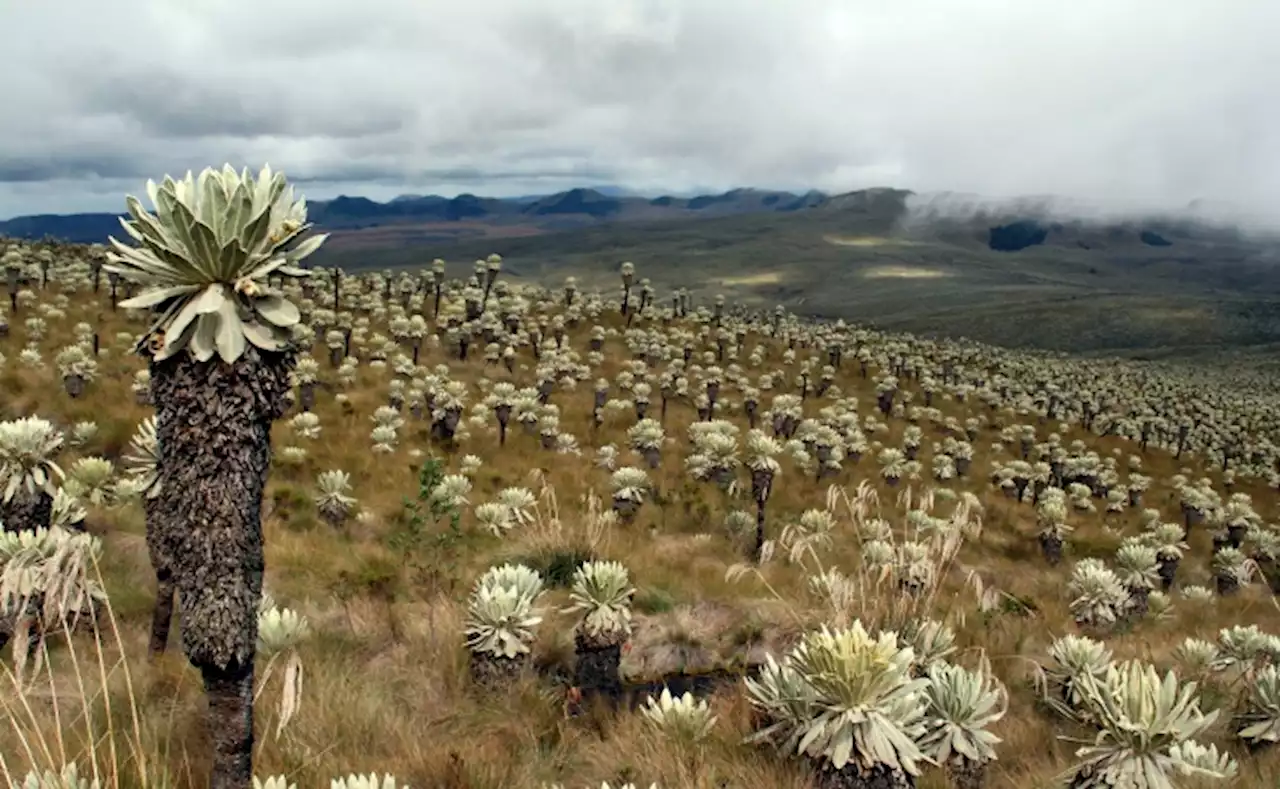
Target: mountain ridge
x,y
1013,273
575,207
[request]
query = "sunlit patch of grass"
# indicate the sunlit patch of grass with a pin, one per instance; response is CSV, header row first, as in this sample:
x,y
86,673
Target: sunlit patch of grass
x,y
868,241
748,280
902,272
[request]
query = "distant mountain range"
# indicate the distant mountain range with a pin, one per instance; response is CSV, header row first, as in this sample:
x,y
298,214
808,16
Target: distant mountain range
x,y
449,216
1032,272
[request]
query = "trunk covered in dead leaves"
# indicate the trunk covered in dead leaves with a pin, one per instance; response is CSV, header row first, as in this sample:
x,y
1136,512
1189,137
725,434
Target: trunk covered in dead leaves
x,y
851,776
213,425
27,511
160,548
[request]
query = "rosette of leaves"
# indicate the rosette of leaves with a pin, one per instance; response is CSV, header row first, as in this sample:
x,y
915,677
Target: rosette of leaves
x,y
683,718
783,702
451,493
68,777
142,457
67,512
930,640
1167,539
90,478
518,502
1197,656
280,632
713,452
28,472
501,618
893,464
305,426
1072,660
502,399
305,374
1098,598
82,433
76,367
1147,729
961,705
204,257
333,496
601,593
1138,568
141,386
384,439
1242,648
1258,724
370,781
943,467
1231,570
1051,517
494,517
1197,594
867,714
46,576
813,530
645,438
630,485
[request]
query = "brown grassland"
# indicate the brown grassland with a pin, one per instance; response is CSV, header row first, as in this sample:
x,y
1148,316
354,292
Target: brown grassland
x,y
386,687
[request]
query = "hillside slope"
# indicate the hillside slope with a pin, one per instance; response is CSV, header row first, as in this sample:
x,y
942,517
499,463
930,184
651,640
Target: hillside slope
x,y
1014,276
1153,288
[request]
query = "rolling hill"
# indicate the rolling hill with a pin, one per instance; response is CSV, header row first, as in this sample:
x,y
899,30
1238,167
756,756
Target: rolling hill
x,y
414,217
1152,288
1015,276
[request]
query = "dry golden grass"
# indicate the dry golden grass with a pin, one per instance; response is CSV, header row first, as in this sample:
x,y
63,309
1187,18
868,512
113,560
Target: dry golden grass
x,y
386,684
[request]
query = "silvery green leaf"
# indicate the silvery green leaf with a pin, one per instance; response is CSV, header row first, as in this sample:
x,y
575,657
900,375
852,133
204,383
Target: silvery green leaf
x,y
151,298
261,336
203,340
306,247
277,310
230,340
192,309
255,233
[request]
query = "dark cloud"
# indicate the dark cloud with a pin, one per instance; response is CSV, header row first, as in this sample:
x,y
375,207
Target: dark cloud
x,y
1145,103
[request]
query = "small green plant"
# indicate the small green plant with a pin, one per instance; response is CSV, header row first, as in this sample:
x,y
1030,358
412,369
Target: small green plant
x,y
428,551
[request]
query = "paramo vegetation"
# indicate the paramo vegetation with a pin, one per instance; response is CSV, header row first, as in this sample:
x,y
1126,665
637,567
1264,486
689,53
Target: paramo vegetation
x,y
441,528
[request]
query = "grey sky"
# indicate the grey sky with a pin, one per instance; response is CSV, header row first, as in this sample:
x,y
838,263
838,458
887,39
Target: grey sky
x,y
1147,102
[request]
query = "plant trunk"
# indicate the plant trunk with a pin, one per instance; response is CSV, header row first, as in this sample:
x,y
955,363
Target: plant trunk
x,y
493,672
213,424
1168,569
596,667
27,511
851,776
1051,547
966,774
161,545
230,694
307,396
162,614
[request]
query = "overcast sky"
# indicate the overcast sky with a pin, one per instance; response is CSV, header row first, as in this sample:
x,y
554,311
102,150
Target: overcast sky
x,y
1148,102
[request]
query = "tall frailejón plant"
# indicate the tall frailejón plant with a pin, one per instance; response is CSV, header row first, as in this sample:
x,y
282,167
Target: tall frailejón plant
x,y
27,472
220,358
602,593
